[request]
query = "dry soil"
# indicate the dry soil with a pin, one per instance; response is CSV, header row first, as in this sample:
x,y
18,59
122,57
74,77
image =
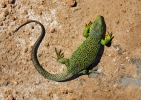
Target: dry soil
x,y
120,64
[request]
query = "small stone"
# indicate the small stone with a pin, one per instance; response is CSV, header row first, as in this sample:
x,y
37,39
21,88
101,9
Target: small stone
x,y
5,12
93,75
11,1
71,97
25,12
47,44
71,3
10,97
12,18
117,22
39,55
9,33
5,83
15,82
2,5
41,2
25,50
131,23
1,23
52,30
37,82
128,30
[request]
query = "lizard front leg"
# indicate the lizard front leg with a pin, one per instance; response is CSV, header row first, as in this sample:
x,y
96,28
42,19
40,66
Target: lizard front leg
x,y
87,29
107,39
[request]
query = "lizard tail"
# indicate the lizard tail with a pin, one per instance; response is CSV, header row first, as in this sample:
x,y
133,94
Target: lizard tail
x,y
55,77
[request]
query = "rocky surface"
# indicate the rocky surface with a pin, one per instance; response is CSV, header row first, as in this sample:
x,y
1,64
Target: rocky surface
x,y
64,21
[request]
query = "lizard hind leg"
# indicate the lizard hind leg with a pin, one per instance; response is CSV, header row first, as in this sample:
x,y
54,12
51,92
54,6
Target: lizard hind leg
x,y
60,57
89,71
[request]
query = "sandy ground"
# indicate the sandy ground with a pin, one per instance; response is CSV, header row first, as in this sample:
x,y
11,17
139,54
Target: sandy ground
x,y
120,63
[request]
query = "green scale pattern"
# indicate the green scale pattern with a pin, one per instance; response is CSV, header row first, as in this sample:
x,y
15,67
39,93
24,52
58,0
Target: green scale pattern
x,y
81,58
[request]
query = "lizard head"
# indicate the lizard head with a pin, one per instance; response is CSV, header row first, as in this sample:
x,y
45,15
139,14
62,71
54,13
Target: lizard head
x,y
98,27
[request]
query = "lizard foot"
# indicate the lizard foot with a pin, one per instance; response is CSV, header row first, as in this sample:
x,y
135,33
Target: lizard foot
x,y
59,54
87,29
107,39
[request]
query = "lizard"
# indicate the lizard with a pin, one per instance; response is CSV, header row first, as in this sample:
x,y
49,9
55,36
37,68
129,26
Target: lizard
x,y
81,58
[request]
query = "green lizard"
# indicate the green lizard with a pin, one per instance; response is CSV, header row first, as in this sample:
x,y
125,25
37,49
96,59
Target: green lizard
x,y
81,58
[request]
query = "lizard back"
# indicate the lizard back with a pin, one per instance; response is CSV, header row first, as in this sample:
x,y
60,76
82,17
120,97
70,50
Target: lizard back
x,y
84,55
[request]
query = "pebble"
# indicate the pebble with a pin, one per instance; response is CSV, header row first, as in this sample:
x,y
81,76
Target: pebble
x,y
25,50
1,23
52,30
2,5
5,83
15,82
5,13
39,55
93,75
71,3
10,97
11,1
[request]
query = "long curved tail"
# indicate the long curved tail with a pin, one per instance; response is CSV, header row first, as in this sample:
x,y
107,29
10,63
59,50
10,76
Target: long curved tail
x,y
55,77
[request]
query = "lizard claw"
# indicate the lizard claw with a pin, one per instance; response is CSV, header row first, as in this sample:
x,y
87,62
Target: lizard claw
x,y
110,35
59,54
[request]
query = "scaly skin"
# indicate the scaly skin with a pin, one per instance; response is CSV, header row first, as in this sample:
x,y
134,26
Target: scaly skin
x,y
81,58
